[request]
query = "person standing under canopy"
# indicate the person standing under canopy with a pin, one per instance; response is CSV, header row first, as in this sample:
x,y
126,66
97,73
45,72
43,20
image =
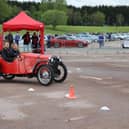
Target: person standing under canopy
x,y
9,38
35,41
26,38
17,38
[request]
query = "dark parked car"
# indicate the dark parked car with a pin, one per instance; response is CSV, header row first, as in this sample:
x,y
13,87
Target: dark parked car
x,y
65,41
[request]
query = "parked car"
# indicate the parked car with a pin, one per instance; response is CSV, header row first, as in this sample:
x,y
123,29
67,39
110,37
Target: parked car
x,y
119,36
114,37
125,43
87,37
66,41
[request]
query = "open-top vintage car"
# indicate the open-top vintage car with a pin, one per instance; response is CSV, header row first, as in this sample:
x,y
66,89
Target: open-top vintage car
x,y
45,68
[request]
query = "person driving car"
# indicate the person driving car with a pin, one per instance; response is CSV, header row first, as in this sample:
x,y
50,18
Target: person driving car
x,y
5,51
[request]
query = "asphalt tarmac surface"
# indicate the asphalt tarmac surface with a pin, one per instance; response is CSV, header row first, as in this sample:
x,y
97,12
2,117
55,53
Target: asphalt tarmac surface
x,y
100,78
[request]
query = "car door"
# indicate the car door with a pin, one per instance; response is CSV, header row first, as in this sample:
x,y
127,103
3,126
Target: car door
x,y
63,42
21,65
70,42
30,60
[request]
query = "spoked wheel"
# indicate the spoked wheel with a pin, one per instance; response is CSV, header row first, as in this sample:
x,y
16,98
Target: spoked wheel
x,y
8,76
60,73
45,75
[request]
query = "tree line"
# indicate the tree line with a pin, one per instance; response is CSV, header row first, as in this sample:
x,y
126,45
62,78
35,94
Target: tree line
x,y
57,12
99,15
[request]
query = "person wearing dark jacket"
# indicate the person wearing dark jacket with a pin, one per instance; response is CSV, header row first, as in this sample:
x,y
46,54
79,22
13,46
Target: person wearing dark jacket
x,y
9,38
14,51
35,41
5,53
48,41
9,54
26,38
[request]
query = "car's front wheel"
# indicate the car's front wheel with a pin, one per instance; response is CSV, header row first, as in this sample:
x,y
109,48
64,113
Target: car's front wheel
x,y
80,45
45,75
56,45
60,73
8,76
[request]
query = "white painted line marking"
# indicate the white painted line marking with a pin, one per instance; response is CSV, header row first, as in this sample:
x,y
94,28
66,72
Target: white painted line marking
x,y
91,77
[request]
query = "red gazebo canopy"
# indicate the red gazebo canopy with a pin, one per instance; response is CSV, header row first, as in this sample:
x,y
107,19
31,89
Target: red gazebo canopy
x,y
24,22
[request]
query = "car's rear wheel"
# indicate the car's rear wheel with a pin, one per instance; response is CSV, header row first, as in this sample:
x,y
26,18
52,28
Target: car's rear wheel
x,y
45,75
56,45
8,76
80,45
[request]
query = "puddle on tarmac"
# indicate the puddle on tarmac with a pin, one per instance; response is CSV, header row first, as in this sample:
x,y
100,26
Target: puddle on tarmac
x,y
78,104
9,110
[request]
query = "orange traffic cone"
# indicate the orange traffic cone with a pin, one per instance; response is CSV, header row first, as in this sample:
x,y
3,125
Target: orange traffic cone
x,y
71,94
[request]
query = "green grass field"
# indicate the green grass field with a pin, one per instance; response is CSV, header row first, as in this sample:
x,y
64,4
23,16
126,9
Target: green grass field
x,y
77,29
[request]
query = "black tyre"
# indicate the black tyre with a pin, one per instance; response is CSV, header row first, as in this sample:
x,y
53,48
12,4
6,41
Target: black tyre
x,y
8,76
80,45
60,73
45,75
56,45
123,46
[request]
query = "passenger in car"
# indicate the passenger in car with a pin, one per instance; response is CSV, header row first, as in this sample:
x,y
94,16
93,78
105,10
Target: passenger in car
x,y
14,50
9,54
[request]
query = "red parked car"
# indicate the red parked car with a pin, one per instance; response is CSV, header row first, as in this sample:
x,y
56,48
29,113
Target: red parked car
x,y
64,41
46,68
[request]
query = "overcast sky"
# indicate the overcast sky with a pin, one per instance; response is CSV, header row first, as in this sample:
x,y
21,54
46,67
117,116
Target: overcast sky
x,y
79,3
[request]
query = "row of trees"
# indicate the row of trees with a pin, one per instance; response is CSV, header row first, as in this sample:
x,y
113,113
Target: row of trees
x,y
51,12
56,12
100,15
7,11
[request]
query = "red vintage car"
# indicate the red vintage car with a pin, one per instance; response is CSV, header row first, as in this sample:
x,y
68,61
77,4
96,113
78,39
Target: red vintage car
x,y
45,68
65,41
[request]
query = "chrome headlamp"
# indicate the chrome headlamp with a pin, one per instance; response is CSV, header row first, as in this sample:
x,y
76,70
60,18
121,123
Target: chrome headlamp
x,y
55,59
59,58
